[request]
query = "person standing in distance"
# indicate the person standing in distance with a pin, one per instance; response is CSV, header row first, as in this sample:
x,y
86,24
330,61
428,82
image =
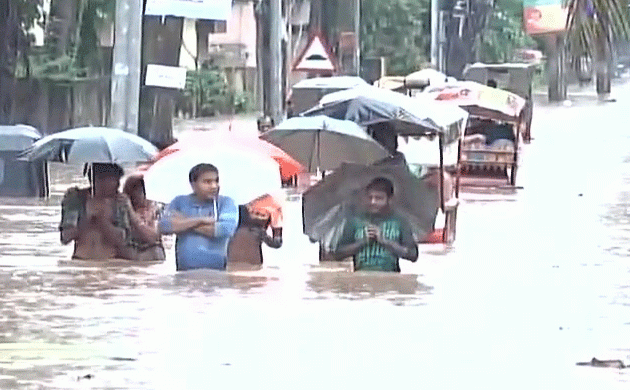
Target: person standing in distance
x,y
203,222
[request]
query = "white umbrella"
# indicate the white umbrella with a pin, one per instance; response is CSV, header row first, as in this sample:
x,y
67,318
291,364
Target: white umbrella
x,y
325,143
91,145
243,175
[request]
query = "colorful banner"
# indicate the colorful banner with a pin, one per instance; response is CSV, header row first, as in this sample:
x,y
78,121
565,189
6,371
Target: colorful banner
x,y
544,16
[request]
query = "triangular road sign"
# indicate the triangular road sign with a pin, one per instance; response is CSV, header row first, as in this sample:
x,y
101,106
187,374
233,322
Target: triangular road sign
x,y
316,57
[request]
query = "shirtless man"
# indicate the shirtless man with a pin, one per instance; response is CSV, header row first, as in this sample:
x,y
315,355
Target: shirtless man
x,y
99,220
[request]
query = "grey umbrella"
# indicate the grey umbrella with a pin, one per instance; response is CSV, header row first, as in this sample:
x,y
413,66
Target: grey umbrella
x,y
327,205
324,143
91,145
367,105
18,137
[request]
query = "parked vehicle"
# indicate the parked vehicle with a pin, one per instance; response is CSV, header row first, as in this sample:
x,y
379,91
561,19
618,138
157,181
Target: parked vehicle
x,y
306,94
514,77
492,135
18,177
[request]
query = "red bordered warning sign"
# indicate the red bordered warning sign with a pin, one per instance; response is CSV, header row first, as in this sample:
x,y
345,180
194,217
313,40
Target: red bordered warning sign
x,y
316,57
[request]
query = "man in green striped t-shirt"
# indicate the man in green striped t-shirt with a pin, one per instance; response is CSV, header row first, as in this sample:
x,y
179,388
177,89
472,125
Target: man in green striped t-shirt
x,y
377,238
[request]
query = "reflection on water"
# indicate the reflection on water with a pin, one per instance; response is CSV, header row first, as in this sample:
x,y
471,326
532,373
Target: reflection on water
x,y
339,282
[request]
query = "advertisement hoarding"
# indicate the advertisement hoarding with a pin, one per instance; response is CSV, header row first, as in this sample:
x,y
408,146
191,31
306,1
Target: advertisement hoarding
x,y
544,16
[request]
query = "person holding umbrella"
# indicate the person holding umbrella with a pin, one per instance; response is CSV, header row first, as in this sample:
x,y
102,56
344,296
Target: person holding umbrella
x,y
203,221
377,239
99,219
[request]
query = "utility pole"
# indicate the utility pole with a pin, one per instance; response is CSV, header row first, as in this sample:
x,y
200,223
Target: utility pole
x,y
357,34
125,92
435,32
275,61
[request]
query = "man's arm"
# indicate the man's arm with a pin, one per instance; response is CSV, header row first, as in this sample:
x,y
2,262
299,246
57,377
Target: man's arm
x,y
145,232
348,245
174,221
406,248
275,240
71,223
226,224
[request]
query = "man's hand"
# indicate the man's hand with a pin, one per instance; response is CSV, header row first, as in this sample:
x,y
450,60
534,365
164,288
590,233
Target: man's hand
x,y
373,233
206,226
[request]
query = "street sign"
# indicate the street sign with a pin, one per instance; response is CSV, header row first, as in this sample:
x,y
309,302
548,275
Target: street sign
x,y
166,76
193,9
316,57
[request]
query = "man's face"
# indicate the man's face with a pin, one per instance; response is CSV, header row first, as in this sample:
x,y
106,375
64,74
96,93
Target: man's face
x,y
206,186
377,201
106,185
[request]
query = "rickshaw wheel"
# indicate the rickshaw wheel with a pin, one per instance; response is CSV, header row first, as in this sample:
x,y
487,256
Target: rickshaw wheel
x,y
513,176
527,133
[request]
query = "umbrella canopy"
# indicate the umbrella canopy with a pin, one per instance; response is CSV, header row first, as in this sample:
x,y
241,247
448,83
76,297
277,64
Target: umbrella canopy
x,y
243,175
328,204
91,145
269,206
333,82
18,137
324,143
419,79
366,105
236,140
480,100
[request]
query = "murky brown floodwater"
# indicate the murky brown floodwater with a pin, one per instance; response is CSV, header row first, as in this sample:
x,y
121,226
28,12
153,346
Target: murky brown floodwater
x,y
536,281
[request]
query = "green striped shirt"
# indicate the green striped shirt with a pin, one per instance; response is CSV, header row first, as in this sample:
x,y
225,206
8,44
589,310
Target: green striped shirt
x,y
373,256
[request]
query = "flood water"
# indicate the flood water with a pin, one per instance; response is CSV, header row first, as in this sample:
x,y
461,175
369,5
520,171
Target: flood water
x,y
536,281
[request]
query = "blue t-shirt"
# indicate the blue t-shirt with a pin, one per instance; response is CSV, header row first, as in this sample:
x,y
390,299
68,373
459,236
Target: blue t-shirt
x,y
194,250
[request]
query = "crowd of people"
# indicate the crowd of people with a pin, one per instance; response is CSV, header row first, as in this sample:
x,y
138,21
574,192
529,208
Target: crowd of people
x,y
211,230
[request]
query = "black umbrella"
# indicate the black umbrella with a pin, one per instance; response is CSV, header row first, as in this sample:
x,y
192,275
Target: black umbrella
x,y
368,105
327,205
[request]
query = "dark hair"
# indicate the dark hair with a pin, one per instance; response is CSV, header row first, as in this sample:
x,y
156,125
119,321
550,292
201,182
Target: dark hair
x,y
199,170
492,83
103,169
381,184
132,183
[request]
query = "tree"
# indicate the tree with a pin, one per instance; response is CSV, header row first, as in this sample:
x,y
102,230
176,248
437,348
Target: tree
x,y
504,33
399,30
592,27
17,17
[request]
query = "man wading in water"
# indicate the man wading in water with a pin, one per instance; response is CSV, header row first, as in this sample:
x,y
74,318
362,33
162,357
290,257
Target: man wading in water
x,y
377,238
99,219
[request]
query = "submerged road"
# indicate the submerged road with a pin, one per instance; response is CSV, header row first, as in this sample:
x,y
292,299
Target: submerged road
x,y
536,281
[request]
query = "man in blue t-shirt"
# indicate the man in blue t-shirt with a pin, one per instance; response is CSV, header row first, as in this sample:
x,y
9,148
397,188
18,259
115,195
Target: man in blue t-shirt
x,y
203,221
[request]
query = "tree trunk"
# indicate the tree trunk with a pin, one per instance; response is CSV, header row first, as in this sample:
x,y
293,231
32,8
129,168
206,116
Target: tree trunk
x,y
603,60
6,61
61,24
557,90
161,45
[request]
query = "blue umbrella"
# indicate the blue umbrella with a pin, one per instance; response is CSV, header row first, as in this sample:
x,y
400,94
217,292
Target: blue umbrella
x,y
91,145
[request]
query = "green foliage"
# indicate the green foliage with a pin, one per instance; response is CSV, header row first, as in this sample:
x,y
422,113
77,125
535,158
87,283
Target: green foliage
x,y
592,23
207,89
504,33
399,30
81,59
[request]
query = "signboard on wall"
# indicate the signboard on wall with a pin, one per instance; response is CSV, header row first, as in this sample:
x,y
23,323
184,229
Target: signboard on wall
x,y
544,16
166,76
193,9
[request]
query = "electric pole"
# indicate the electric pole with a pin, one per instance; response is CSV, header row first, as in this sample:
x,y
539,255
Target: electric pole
x,y
275,61
125,90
